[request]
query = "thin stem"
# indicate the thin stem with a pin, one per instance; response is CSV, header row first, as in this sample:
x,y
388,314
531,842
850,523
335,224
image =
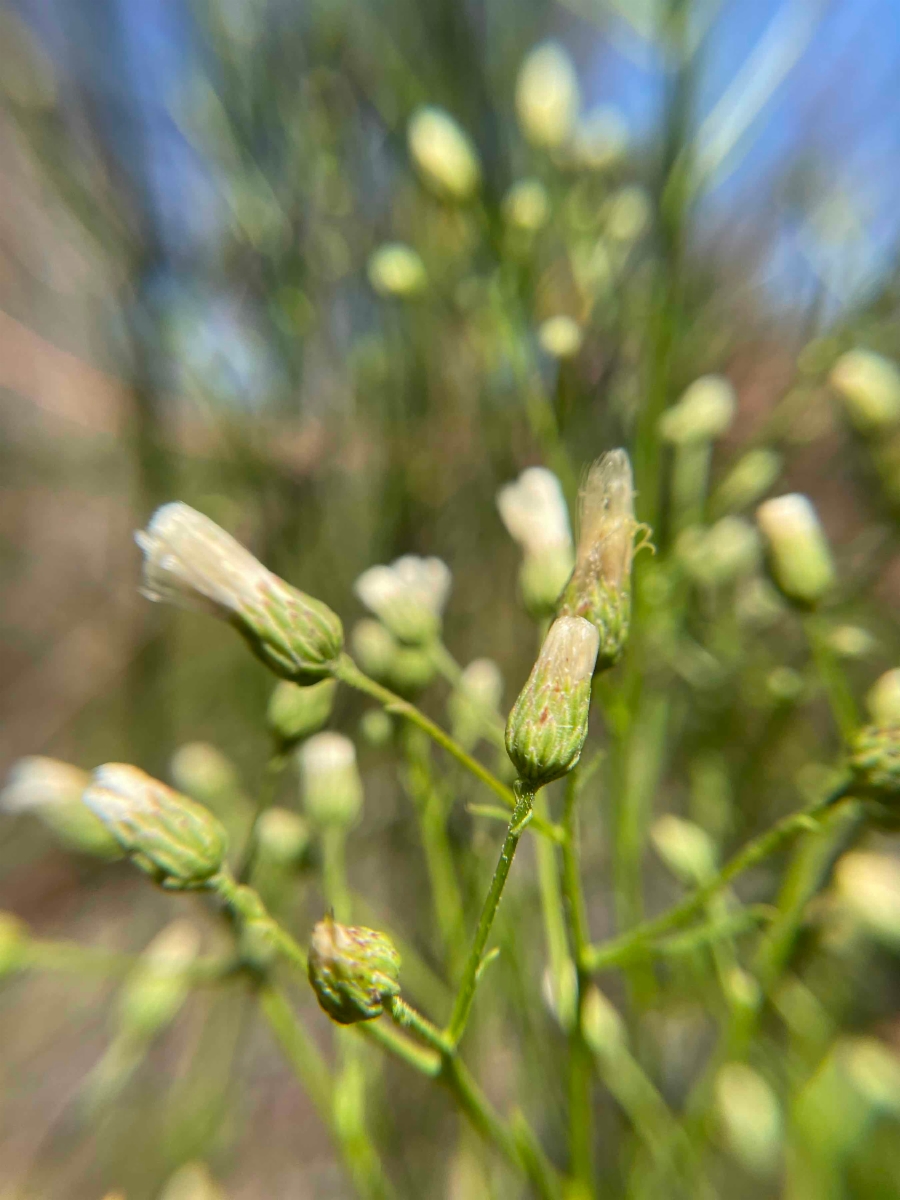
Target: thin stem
x,y
334,872
426,1062
278,760
466,994
834,681
408,1017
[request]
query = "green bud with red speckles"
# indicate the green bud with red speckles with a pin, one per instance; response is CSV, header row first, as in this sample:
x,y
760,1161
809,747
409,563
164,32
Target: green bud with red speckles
x,y
875,760
353,971
548,724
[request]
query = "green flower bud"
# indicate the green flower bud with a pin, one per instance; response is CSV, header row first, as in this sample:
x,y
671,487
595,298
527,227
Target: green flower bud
x,y
405,669
547,96
799,555
560,336
883,698
526,205
475,701
157,987
397,270
298,712
192,563
408,597
703,413
282,836
748,480
600,587
179,843
353,971
332,787
443,154
202,771
52,790
869,386
750,1115
875,760
548,724
867,886
376,727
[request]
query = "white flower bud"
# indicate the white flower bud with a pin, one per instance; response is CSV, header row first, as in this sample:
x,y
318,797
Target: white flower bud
x,y
475,700
851,641
296,712
869,386
868,888
332,787
202,771
526,205
601,139
685,848
534,511
283,836
628,214
397,270
750,1115
52,790
703,413
560,337
799,555
547,96
192,563
408,596
443,154
883,699
404,669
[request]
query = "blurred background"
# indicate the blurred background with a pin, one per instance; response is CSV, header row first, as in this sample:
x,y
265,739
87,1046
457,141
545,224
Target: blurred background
x,y
228,275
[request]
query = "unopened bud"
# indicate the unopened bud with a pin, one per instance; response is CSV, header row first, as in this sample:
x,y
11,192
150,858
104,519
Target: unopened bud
x,y
526,205
193,1181
283,836
353,971
601,139
157,987
750,1116
883,698
703,413
397,270
443,154
179,843
408,596
475,701
405,669
547,97
297,712
868,888
600,587
560,336
52,790
874,1071
548,723
748,480
869,386
799,556
628,214
202,771
534,511
604,1029
875,760
376,727
332,787
685,848
192,563
721,553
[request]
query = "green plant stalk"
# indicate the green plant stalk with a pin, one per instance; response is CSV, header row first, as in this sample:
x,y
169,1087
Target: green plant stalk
x,y
334,872
618,949
278,760
466,994
552,907
834,681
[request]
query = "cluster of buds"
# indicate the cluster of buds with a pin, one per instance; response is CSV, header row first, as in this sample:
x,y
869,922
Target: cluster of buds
x,y
534,511
404,669
332,787
600,587
177,842
192,563
443,154
408,596
549,720
353,971
799,555
52,791
296,712
547,96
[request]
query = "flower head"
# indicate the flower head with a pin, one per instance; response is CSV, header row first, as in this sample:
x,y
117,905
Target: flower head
x,y
353,971
408,596
192,563
869,386
547,96
443,154
332,788
296,712
799,556
534,511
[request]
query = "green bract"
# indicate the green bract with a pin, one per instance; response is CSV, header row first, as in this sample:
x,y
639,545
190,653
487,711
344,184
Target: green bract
x,y
353,971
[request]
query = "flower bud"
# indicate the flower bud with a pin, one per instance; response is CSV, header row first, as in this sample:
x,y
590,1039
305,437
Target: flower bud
x,y
202,771
297,712
703,413
332,788
685,848
192,563
526,205
869,386
443,154
883,699
874,1071
13,942
548,723
52,790
475,700
534,511
282,836
157,987
408,596
376,727
547,97
628,214
193,1181
405,669
397,270
748,480
868,888
601,139
799,555
560,337
600,587
721,553
353,971
875,760
750,1115
179,843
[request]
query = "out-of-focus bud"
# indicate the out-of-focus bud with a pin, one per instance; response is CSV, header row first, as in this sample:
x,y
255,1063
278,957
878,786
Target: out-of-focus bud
x,y
533,509
874,1072
703,413
376,727
723,552
799,555
601,139
332,787
406,669
784,684
869,386
549,721
157,987
52,790
202,771
353,971
192,563
547,97
296,712
408,596
883,699
560,336
193,1181
868,887
283,836
13,941
526,206
685,848
851,641
750,1115
604,1029
628,214
600,587
179,843
397,270
443,154
560,992
748,480
875,760
475,701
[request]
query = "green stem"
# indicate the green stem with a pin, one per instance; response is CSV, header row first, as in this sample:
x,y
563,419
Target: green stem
x,y
274,769
334,872
408,1017
618,949
466,994
834,681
